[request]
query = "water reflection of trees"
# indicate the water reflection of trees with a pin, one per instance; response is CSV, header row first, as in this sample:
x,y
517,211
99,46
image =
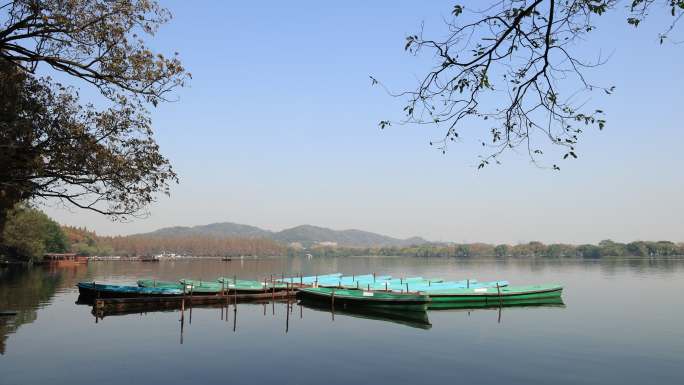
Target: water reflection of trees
x,y
27,289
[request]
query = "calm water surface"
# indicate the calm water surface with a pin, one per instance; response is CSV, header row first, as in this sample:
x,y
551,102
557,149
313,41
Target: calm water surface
x,y
622,323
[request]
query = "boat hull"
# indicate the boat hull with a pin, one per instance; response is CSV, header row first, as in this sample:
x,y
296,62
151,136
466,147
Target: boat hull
x,y
360,298
529,302
113,291
494,296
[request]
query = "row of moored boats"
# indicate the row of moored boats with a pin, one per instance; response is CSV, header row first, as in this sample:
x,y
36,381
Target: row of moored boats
x,y
407,293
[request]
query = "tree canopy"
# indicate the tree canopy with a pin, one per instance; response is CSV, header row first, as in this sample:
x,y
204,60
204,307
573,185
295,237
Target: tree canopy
x,y
515,65
53,145
29,233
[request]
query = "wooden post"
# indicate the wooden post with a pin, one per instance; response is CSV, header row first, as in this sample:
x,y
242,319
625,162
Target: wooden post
x,y
183,308
287,316
468,283
373,277
301,280
498,290
429,283
357,285
332,299
407,290
183,303
235,317
182,321
386,286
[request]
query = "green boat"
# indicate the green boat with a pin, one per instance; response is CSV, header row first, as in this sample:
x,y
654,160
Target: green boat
x,y
196,287
493,296
242,285
362,298
550,302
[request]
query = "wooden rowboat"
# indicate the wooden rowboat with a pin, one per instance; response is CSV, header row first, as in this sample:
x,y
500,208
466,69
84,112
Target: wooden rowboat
x,y
550,302
362,298
494,295
199,287
92,289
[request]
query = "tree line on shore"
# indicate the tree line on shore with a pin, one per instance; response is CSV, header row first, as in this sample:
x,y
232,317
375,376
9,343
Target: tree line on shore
x,y
605,248
30,234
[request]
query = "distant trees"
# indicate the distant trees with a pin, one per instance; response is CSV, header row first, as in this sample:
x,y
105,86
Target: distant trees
x,y
502,250
606,248
29,234
193,245
84,242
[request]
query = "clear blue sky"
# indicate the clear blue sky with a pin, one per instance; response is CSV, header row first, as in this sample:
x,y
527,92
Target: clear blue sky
x,y
279,128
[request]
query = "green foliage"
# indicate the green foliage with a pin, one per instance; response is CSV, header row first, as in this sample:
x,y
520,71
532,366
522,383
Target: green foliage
x,y
30,234
605,248
53,145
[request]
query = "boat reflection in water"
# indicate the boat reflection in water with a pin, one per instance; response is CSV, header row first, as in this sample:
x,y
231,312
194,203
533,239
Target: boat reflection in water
x,y
493,304
416,319
554,302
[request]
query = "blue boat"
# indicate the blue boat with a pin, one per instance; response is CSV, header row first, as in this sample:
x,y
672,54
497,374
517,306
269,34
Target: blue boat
x,y
353,281
310,280
92,289
383,281
428,286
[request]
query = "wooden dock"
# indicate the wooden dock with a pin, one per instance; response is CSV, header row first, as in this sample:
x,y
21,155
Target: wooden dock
x,y
114,305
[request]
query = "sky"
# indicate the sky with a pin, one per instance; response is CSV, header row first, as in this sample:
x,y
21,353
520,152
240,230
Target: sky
x,y
279,127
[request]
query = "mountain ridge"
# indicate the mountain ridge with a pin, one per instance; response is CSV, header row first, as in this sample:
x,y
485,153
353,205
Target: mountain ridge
x,y
306,235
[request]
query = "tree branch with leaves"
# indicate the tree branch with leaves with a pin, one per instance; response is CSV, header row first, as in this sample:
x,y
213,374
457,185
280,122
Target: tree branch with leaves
x,y
53,145
514,66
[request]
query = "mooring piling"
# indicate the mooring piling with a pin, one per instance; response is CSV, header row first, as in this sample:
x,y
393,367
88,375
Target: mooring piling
x,y
498,291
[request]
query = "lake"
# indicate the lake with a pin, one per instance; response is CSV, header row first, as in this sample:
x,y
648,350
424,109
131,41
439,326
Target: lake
x,y
621,323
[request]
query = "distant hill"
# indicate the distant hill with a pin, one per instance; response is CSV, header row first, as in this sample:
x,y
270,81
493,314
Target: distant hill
x,y
307,235
224,229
